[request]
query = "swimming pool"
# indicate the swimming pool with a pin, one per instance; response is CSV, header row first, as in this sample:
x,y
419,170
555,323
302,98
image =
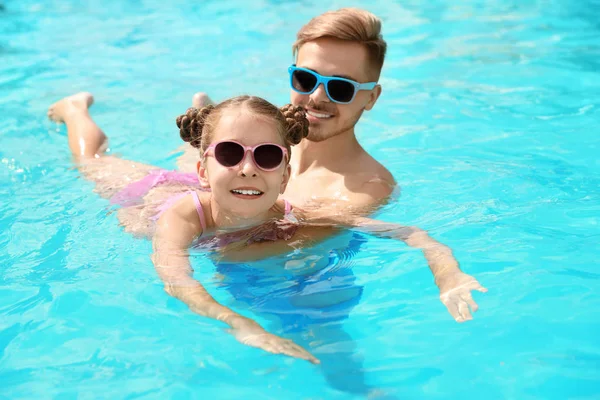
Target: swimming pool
x,y
489,121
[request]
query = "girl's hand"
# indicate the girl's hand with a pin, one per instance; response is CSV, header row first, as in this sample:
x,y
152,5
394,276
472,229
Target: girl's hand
x,y
455,293
251,334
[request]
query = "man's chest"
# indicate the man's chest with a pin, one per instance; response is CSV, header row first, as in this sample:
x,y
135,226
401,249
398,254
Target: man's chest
x,y
313,189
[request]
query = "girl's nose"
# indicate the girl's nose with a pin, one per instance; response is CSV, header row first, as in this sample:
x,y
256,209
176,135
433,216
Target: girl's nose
x,y
247,167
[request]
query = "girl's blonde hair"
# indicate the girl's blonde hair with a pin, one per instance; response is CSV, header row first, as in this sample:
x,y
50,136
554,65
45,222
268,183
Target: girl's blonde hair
x,y
197,126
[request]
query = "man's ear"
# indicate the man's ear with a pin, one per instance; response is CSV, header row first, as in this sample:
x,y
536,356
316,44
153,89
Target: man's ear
x,y
202,175
374,95
286,178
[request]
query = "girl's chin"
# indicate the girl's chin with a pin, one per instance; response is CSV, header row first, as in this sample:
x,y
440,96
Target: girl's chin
x,y
246,212
245,209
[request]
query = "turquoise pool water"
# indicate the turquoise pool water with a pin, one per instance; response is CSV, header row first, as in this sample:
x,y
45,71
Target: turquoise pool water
x,y
489,121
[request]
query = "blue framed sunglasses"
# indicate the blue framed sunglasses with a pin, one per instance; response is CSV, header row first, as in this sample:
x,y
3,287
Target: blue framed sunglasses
x,y
339,90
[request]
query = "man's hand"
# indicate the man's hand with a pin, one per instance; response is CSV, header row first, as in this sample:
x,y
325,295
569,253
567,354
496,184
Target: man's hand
x,y
455,293
251,334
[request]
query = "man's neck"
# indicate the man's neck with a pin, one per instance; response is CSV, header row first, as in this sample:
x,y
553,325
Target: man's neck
x,y
330,154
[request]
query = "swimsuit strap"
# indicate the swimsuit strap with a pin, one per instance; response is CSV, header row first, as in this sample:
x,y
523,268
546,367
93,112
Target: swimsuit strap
x,y
199,210
288,207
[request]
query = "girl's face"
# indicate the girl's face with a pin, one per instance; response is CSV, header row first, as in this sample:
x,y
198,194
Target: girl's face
x,y
243,190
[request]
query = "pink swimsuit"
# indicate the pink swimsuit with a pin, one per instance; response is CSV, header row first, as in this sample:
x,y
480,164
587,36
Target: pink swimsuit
x,y
269,231
132,194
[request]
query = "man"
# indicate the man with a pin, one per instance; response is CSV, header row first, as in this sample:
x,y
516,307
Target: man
x,y
330,170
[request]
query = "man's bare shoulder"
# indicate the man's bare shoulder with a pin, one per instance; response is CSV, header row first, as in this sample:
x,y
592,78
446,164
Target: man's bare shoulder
x,y
367,171
370,182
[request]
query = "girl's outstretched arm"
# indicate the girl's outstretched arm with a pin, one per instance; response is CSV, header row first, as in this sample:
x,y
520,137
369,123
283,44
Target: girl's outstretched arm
x,y
175,231
455,286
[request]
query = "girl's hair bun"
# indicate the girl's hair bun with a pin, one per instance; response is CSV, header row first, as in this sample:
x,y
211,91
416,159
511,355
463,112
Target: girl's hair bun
x,y
295,122
191,124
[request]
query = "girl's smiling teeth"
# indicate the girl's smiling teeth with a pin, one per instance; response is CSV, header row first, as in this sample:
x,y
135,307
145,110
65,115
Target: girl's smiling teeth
x,y
247,192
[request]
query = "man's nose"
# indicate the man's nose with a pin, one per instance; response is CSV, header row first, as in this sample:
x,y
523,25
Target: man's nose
x,y
319,95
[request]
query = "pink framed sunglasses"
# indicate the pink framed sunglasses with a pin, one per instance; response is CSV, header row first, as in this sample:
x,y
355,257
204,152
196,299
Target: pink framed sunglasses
x,y
266,156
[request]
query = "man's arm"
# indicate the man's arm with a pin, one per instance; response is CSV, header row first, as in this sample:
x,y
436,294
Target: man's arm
x,y
455,286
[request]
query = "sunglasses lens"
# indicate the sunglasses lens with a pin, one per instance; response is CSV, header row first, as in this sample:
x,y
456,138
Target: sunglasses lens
x,y
341,91
229,154
268,156
303,81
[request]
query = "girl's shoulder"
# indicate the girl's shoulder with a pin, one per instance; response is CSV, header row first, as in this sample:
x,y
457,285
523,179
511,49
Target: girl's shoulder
x,y
282,207
201,202
192,207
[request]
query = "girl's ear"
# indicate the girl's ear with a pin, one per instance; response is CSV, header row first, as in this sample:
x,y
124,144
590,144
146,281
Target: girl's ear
x,y
286,178
202,175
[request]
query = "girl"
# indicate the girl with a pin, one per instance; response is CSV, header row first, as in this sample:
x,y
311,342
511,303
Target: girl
x,y
230,203
244,145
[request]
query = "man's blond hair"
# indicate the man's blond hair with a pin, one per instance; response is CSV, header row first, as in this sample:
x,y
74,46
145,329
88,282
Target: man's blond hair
x,y
350,24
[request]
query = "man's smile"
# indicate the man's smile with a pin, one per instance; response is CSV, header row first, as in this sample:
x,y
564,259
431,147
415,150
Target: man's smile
x,y
320,115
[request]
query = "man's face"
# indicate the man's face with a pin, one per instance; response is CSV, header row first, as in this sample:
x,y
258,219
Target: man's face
x,y
332,57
